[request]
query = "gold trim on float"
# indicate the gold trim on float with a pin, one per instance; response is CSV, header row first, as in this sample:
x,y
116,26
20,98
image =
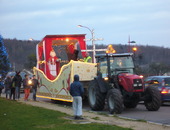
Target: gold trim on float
x,y
54,98
58,74
63,67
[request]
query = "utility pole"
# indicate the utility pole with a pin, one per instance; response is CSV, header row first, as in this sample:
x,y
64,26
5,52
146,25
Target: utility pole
x,y
93,39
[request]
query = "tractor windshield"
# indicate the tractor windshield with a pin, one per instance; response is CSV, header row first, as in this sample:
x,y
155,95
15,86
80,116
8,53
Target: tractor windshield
x,y
115,65
103,67
121,65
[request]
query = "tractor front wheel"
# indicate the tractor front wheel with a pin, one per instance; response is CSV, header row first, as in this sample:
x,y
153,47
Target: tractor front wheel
x,y
131,104
115,101
153,98
95,97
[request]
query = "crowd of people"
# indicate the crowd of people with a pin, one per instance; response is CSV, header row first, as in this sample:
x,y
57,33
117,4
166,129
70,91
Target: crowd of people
x,y
12,86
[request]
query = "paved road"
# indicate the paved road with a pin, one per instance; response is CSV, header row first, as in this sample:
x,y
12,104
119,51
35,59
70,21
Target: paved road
x,y
161,116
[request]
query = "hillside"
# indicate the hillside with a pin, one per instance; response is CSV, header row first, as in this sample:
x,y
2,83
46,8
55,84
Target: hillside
x,y
19,50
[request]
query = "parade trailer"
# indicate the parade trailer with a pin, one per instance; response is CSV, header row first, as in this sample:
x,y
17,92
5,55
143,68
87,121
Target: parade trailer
x,y
58,61
112,80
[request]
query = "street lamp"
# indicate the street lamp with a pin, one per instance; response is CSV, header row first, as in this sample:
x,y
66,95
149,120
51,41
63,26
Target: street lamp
x,y
92,39
30,39
129,50
130,43
134,49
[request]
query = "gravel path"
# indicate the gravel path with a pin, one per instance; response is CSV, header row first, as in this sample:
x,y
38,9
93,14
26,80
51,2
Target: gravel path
x,y
98,118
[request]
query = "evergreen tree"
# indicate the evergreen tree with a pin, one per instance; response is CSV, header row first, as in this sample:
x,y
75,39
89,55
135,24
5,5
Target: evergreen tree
x,y
4,61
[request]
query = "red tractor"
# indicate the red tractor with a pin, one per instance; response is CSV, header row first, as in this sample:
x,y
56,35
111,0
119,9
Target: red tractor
x,y
118,86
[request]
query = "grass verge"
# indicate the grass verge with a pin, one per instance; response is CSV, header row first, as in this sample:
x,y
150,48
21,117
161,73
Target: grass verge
x,y
18,116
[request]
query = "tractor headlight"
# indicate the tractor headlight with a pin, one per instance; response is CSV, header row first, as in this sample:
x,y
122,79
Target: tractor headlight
x,y
135,85
139,84
141,76
106,78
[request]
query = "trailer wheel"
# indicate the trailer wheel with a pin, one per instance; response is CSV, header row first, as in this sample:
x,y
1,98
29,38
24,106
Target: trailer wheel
x,y
115,101
153,98
95,97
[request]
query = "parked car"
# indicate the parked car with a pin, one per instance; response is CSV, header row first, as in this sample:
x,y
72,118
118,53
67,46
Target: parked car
x,y
163,85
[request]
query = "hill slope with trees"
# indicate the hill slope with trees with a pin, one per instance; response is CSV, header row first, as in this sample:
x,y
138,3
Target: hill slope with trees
x,y
148,58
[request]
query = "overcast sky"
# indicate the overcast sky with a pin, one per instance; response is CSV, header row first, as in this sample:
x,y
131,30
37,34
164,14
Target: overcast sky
x,y
146,21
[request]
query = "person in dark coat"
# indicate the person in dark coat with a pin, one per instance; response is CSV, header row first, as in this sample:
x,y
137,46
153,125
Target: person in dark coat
x,y
76,91
35,84
12,89
17,81
1,86
8,85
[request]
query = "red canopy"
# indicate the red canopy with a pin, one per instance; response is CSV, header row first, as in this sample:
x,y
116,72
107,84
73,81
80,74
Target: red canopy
x,y
44,49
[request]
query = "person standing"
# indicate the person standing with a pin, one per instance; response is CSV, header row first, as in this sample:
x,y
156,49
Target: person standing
x,y
1,86
12,89
27,87
8,85
88,58
17,80
35,84
76,91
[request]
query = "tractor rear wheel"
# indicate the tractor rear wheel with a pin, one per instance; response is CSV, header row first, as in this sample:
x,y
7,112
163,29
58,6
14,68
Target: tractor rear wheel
x,y
115,101
153,98
95,97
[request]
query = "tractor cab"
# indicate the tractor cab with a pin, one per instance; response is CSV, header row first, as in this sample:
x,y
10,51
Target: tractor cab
x,y
114,64
118,69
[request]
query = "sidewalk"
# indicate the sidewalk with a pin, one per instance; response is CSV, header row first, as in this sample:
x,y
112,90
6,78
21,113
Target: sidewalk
x,y
94,117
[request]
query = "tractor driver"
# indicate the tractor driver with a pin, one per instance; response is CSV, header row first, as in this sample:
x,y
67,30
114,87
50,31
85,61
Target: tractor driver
x,y
119,63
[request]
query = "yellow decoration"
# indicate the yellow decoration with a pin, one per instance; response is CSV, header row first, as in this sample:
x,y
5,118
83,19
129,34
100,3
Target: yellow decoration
x,y
110,49
41,62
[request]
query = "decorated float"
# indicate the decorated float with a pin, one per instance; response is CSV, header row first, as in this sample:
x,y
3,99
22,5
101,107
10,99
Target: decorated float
x,y
58,60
